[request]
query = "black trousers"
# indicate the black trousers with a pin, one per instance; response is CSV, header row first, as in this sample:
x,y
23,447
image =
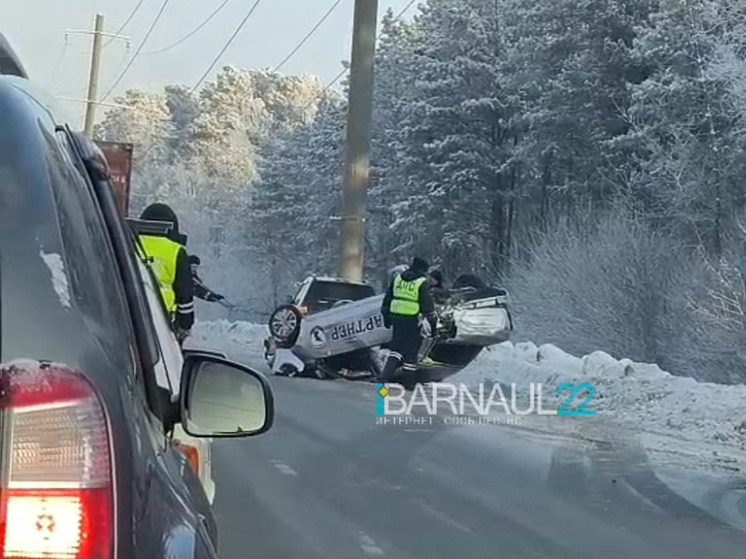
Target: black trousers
x,y
405,342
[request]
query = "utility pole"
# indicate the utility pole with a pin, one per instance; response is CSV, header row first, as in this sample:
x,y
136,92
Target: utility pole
x,y
92,95
357,147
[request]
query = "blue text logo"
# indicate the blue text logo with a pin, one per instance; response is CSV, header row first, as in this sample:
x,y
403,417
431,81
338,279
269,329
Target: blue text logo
x,y
586,389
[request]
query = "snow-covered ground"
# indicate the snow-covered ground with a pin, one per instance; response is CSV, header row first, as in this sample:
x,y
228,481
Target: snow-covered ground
x,y
674,420
226,336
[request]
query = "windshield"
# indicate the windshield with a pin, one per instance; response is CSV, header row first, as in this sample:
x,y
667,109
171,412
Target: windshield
x,y
323,295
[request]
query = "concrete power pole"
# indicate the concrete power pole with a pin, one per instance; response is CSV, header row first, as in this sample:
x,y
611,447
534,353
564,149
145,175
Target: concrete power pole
x,y
92,96
357,156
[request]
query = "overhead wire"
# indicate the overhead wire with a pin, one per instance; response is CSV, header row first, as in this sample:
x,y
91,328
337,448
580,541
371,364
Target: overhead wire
x,y
308,36
137,52
222,51
227,44
58,64
215,12
126,22
339,76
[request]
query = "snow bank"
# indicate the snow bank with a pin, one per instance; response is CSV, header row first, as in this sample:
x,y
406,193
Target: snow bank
x,y
640,395
222,334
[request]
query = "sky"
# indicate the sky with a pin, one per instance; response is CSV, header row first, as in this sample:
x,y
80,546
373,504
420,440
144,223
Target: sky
x,y
40,31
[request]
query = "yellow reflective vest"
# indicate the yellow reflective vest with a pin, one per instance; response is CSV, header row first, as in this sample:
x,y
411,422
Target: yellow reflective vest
x,y
406,296
163,253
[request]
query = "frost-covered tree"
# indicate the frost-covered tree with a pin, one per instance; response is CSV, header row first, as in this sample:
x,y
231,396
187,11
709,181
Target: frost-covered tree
x,y
142,119
590,153
232,120
396,71
685,142
455,135
293,205
183,106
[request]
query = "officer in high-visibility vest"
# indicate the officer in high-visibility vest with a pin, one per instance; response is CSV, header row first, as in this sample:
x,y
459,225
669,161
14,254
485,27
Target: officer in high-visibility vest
x,y
170,263
406,299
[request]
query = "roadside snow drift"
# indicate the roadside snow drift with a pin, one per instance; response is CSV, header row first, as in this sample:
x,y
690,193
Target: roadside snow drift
x,y
223,335
638,394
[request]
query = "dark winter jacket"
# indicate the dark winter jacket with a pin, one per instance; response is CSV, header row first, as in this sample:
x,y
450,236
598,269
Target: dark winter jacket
x,y
427,307
203,292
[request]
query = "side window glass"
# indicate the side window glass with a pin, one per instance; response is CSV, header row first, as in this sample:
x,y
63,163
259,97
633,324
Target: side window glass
x,y
90,263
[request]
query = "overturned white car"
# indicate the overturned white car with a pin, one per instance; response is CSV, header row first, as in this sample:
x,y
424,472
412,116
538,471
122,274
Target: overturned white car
x,y
333,327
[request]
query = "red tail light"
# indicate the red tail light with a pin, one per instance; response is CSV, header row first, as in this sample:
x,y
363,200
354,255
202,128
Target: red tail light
x,y
57,499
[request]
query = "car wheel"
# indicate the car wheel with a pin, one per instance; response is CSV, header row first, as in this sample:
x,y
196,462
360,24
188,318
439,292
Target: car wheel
x,y
284,324
469,280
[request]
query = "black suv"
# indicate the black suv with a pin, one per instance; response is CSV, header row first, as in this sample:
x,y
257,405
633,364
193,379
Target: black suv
x,y
87,466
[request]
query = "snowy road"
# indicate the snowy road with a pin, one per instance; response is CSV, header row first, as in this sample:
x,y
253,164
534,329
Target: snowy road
x,y
327,482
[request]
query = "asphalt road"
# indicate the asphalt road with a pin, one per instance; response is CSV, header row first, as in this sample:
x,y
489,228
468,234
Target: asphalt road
x,y
328,483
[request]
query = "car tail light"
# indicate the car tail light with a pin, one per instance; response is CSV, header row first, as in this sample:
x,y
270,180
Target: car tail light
x,y
192,455
57,496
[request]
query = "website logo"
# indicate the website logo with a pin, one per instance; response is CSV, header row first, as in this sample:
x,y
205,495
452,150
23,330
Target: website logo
x,y
448,401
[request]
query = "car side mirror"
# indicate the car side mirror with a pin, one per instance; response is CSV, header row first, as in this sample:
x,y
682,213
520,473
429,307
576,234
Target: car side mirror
x,y
220,398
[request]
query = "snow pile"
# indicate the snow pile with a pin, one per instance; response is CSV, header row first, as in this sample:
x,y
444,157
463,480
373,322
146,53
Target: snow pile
x,y
638,394
224,335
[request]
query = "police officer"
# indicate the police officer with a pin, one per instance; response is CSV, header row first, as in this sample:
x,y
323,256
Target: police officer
x,y
171,266
407,297
200,289
437,286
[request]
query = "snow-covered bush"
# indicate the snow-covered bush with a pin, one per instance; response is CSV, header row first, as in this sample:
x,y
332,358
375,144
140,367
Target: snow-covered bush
x,y
617,285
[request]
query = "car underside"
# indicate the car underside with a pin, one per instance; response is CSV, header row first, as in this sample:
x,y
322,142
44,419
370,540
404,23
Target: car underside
x,y
348,339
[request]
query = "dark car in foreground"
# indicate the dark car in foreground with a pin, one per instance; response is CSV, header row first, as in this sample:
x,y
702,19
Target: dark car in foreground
x,y
88,468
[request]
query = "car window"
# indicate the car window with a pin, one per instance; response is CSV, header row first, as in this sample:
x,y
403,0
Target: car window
x,y
94,281
323,295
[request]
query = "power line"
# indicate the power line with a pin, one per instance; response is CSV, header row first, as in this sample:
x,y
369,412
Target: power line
x,y
222,51
192,32
137,52
126,22
308,36
227,44
339,76
398,16
58,64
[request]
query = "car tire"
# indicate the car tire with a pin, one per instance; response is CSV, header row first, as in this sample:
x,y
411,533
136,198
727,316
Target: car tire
x,y
469,280
284,325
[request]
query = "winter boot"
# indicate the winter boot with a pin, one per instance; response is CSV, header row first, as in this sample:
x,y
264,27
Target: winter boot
x,y
388,370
